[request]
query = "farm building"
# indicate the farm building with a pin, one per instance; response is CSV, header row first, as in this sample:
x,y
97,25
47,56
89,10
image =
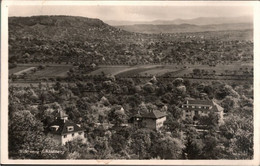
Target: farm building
x,y
194,108
152,120
62,130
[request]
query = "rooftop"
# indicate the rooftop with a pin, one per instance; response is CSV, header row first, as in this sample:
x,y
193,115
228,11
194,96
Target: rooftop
x,y
214,106
62,127
154,114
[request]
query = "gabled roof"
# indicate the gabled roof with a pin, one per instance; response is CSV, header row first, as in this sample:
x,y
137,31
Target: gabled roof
x,y
218,107
63,127
154,114
137,115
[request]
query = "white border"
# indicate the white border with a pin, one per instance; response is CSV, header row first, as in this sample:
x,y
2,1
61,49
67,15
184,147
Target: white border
x,y
4,83
132,3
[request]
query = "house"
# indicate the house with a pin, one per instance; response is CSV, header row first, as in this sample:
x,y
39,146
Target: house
x,y
194,108
62,130
152,120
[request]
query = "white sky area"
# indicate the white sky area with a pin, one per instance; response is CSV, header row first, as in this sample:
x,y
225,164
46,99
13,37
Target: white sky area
x,y
133,13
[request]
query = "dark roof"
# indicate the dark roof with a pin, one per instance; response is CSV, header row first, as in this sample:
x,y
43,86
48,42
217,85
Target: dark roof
x,y
137,115
201,102
63,127
154,114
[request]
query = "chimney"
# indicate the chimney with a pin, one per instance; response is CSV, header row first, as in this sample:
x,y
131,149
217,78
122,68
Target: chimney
x,y
65,118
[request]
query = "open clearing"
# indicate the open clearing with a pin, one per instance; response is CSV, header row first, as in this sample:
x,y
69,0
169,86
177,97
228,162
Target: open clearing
x,y
156,72
162,70
109,70
18,69
53,71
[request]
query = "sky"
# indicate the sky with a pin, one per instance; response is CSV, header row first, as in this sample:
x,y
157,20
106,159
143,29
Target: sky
x,y
133,12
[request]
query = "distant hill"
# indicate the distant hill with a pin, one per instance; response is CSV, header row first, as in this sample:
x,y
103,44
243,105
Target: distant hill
x,y
149,28
195,21
61,28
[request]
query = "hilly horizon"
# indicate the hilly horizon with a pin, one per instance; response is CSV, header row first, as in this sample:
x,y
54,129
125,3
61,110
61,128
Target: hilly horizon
x,y
66,27
182,28
195,21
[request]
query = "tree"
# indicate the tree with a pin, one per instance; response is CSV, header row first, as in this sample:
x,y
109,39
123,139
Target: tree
x,y
210,121
102,147
228,103
120,139
193,148
26,138
196,72
117,115
149,88
77,149
239,133
211,149
141,143
168,148
178,82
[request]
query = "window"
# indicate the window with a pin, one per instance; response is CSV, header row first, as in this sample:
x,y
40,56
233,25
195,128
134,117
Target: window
x,y
72,134
70,128
54,128
64,136
196,112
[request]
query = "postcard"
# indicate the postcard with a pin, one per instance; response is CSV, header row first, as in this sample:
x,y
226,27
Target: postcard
x,y
130,82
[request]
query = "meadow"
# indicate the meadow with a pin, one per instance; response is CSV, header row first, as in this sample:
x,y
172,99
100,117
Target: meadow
x,y
18,69
53,71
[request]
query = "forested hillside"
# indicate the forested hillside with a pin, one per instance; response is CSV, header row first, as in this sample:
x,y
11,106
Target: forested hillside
x,y
64,39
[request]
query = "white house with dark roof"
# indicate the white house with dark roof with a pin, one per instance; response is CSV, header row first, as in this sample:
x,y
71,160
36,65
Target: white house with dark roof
x,y
152,120
193,108
62,130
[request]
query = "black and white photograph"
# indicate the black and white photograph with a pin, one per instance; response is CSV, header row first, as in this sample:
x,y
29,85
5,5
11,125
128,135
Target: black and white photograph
x,y
123,81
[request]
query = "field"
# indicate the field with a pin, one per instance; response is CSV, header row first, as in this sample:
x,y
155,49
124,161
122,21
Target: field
x,y
48,71
163,70
141,70
158,70
18,69
107,70
53,71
